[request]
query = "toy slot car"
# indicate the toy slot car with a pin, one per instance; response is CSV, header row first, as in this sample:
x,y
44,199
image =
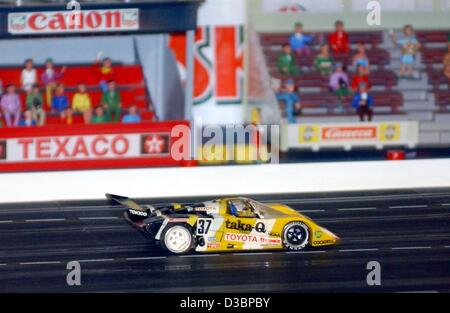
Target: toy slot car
x,y
227,224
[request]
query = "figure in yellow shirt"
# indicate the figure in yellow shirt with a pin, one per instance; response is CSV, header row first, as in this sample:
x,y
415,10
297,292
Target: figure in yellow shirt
x,y
81,103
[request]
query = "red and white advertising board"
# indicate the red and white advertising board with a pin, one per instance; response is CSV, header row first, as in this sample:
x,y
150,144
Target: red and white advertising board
x,y
87,147
56,22
219,61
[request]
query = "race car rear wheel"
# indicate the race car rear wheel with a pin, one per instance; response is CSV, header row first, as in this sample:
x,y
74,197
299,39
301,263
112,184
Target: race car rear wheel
x,y
295,236
177,239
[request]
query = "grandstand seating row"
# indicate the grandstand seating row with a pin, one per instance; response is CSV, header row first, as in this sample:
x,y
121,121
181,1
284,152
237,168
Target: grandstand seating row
x,y
391,101
380,77
433,57
129,78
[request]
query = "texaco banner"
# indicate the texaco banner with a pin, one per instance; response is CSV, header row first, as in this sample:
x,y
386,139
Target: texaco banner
x,y
89,146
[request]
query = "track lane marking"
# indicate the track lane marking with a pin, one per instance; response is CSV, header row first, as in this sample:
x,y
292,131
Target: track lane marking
x,y
99,218
305,252
422,291
357,209
411,248
311,211
6,221
46,220
3,264
445,204
198,255
40,263
408,206
447,247
147,258
95,260
252,253
358,250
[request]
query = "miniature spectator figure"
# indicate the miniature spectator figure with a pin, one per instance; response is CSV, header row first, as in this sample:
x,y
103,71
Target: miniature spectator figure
x,y
112,102
60,101
323,62
338,40
409,48
28,76
67,116
28,119
132,116
104,71
99,115
81,103
363,103
300,42
35,103
291,101
286,62
339,82
11,105
49,78
360,77
361,58
446,62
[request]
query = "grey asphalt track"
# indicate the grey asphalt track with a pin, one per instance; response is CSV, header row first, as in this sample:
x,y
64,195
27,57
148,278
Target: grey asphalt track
x,y
406,231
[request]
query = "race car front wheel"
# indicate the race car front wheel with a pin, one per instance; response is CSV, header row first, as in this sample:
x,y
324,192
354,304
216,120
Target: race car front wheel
x,y
177,239
295,236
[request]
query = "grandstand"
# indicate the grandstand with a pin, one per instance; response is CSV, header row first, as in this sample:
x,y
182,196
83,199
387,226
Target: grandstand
x,y
425,99
130,81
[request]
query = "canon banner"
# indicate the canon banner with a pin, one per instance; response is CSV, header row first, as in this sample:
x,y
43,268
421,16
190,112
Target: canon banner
x,y
98,146
21,23
379,135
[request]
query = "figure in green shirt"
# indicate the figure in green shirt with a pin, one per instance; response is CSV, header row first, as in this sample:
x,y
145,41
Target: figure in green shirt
x,y
100,116
35,103
112,102
286,62
323,62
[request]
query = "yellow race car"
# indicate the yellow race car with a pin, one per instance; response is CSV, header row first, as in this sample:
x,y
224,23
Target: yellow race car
x,y
227,224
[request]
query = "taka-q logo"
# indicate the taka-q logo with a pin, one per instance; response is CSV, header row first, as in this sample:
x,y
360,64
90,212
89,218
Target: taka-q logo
x,y
73,278
374,276
374,15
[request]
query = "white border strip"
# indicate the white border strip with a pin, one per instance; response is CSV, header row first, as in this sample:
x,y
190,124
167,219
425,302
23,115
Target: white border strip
x,y
225,180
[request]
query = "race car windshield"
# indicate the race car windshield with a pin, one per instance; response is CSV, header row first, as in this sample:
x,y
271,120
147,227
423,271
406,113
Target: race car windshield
x,y
240,208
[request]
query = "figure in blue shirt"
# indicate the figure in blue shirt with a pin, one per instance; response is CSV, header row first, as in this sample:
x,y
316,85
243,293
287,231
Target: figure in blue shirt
x,y
363,103
60,101
28,119
300,42
291,101
132,116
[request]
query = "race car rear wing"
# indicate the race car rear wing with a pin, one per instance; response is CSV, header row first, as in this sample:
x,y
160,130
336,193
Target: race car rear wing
x,y
127,202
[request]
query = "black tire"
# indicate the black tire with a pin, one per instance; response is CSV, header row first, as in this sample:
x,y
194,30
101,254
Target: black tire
x,y
178,238
295,236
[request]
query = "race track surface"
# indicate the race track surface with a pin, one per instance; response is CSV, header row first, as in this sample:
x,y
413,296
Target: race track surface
x,y
407,232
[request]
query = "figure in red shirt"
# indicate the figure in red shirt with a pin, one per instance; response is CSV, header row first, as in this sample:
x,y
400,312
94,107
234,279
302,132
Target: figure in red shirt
x,y
360,77
338,40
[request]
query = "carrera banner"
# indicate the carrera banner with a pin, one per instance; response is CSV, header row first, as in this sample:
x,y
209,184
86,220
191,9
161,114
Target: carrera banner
x,y
117,20
379,135
87,147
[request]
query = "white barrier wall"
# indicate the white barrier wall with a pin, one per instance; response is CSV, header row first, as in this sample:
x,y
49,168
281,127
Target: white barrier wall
x,y
225,180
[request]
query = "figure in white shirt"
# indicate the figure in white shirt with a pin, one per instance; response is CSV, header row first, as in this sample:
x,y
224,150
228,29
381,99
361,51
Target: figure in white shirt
x,y
29,76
